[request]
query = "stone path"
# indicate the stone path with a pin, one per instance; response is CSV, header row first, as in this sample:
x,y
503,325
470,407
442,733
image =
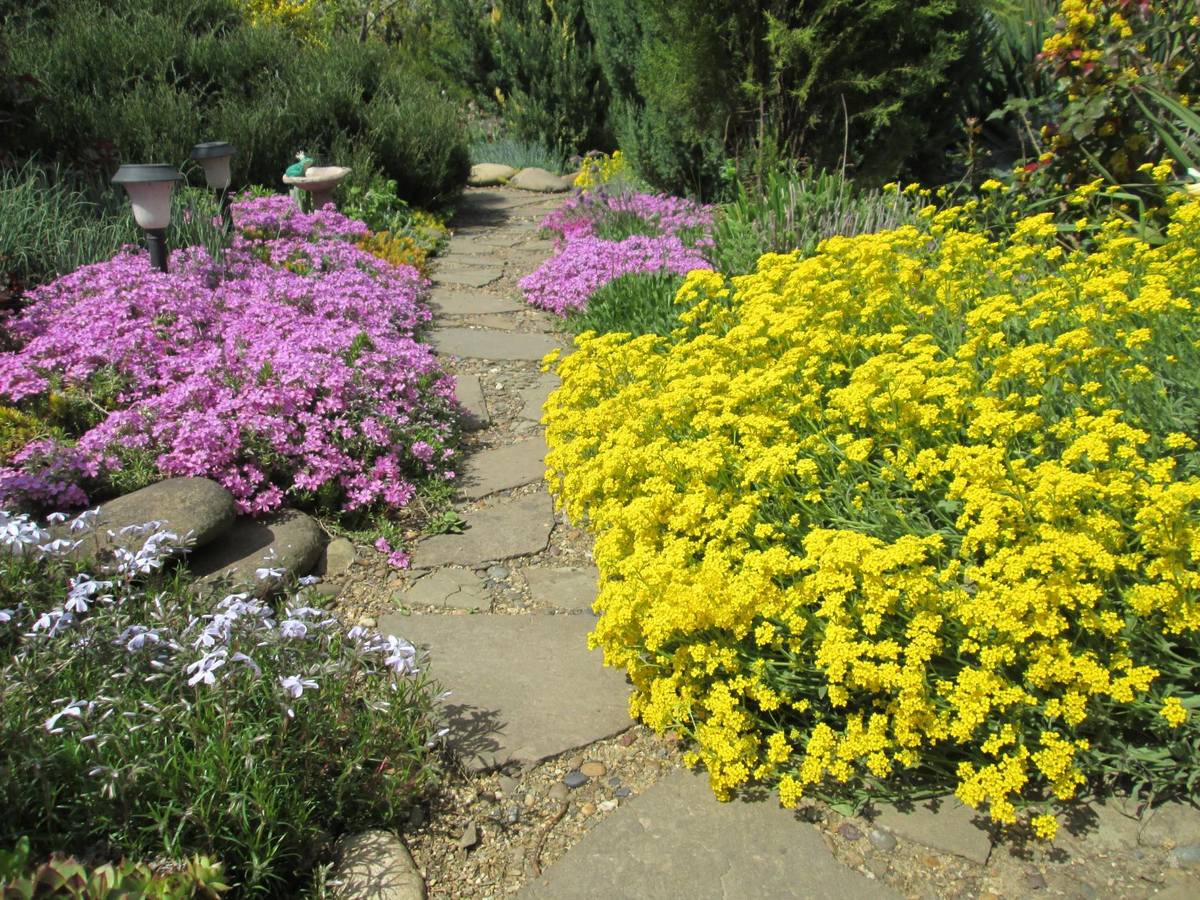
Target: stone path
x,y
558,794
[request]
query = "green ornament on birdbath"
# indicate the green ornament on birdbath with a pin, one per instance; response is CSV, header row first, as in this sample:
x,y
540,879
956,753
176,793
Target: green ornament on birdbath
x,y
317,181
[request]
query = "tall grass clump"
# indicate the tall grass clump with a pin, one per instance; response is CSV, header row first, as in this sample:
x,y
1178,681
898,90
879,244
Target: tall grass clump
x,y
790,212
140,720
516,152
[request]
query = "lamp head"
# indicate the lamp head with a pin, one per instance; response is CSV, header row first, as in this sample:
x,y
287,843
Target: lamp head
x,y
214,157
149,189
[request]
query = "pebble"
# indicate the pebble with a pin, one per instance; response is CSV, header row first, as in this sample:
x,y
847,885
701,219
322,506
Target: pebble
x,y
508,784
829,843
367,621
614,781
931,862
849,832
416,817
1188,853
593,769
512,815
877,867
1035,880
497,573
881,840
574,762
588,809
622,792
607,806
627,738
469,838
530,800
575,779
559,792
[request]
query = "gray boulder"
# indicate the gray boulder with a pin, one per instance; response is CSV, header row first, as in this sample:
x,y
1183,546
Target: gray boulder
x,y
196,506
487,174
375,865
535,179
287,540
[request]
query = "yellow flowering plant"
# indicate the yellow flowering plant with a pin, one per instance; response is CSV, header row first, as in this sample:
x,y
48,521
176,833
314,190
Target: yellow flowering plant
x,y
917,512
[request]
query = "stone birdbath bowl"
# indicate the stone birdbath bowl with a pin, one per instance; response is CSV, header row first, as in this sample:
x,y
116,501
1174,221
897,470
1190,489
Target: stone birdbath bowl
x,y
319,181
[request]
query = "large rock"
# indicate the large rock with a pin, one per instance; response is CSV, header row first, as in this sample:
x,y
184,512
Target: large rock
x,y
336,558
519,527
288,540
502,468
196,506
523,688
535,179
677,841
375,865
489,174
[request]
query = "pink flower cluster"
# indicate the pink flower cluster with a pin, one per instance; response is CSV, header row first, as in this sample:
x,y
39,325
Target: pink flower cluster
x,y
287,371
586,262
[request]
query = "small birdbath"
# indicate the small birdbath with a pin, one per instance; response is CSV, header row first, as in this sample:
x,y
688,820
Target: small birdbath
x,y
318,181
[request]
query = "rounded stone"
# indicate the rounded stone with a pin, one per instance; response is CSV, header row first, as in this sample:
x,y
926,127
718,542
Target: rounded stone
x,y
287,540
850,832
488,174
196,506
559,792
1188,853
575,779
622,792
574,762
593,769
336,557
881,840
377,864
588,809
540,180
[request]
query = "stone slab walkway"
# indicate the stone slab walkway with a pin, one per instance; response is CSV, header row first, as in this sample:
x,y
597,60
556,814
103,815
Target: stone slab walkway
x,y
677,842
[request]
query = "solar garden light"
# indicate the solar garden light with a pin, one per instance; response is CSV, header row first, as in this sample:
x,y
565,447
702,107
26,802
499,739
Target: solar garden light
x,y
214,157
149,188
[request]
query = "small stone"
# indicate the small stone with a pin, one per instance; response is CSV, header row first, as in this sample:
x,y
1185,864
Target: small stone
x,y
622,792
593,769
607,806
469,837
883,841
530,800
512,815
931,862
497,573
574,762
508,784
829,843
588,809
627,739
1035,881
416,817
852,859
575,779
559,792
849,832
367,621
1188,854
615,782
878,867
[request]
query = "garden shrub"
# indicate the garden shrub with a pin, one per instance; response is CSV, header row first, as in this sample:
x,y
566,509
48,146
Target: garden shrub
x,y
552,88
696,80
144,82
286,369
637,303
140,720
917,512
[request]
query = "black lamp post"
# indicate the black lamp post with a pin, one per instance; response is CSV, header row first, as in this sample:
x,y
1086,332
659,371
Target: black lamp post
x,y
149,188
214,157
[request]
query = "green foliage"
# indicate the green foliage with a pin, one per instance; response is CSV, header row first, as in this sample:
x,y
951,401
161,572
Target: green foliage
x,y
144,82
163,765
465,48
518,153
551,80
637,303
52,221
65,877
696,80
797,213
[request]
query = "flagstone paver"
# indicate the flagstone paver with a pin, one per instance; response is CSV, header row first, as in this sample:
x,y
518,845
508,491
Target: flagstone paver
x,y
564,587
448,588
468,303
944,824
503,468
523,688
512,528
535,397
467,277
470,398
479,344
677,841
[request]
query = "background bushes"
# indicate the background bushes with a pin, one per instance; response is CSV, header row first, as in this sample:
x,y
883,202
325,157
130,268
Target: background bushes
x,y
139,82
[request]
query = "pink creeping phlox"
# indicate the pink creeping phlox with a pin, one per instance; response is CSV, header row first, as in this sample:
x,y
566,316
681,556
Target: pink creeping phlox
x,y
586,262
292,370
